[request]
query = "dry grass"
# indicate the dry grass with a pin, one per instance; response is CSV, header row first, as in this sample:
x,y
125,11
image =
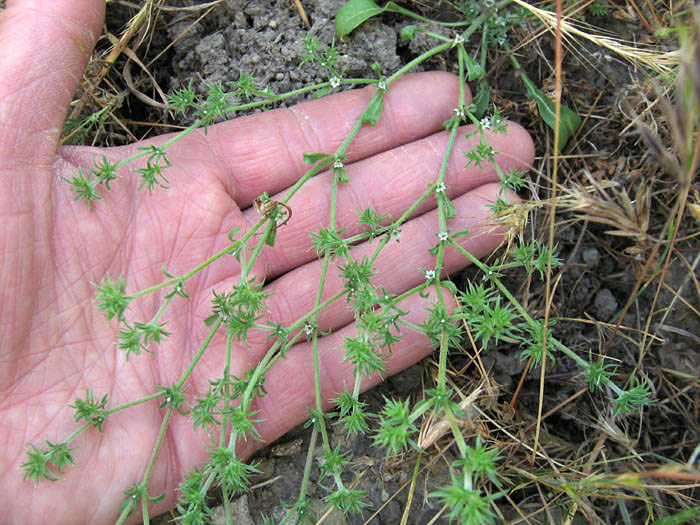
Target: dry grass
x,y
637,203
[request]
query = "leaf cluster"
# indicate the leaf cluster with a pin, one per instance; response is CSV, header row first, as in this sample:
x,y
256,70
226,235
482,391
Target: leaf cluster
x,y
396,425
232,473
89,409
440,324
111,298
239,309
324,57
328,242
134,339
352,414
156,163
466,505
36,467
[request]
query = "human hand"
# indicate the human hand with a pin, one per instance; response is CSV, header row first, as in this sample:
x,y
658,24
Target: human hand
x,y
54,344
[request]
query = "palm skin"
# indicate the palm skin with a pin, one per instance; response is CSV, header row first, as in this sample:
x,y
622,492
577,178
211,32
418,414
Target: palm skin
x,y
54,344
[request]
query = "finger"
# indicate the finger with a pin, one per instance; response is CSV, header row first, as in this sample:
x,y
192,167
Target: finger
x,y
398,266
389,183
291,378
264,152
45,47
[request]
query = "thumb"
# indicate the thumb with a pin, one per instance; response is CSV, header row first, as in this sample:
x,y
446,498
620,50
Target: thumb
x,y
45,47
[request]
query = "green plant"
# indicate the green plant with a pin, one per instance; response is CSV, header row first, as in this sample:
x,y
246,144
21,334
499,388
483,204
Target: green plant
x,y
491,310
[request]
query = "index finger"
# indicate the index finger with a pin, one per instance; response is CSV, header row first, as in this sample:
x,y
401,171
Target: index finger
x,y
264,152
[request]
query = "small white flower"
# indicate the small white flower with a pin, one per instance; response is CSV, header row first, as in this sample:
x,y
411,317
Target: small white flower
x,y
381,85
338,165
396,234
459,39
335,82
308,329
459,112
440,188
429,275
485,123
443,236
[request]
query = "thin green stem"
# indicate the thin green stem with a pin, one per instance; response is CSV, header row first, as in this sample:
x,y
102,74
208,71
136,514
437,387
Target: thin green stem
x,y
442,219
135,402
178,280
319,295
459,438
227,396
156,448
162,309
476,23
149,469
205,344
322,164
419,59
308,464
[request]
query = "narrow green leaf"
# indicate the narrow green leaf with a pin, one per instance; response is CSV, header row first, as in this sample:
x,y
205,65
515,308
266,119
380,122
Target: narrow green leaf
x,y
569,121
232,235
156,499
321,92
461,233
374,108
481,99
270,239
474,69
166,272
312,158
127,503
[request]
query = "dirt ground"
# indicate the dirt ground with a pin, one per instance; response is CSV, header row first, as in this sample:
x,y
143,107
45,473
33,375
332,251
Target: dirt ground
x,y
605,237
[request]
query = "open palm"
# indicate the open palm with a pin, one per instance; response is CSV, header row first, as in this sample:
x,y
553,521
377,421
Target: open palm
x,y
54,344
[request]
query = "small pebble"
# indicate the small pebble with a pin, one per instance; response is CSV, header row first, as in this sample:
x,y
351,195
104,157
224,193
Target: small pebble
x,y
591,256
605,305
